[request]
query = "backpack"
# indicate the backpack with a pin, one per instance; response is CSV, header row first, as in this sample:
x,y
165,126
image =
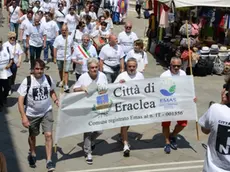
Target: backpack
x,y
29,85
146,14
201,68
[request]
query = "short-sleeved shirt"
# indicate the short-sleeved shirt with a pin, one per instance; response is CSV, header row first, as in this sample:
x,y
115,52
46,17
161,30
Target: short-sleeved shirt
x,y
169,73
125,76
4,61
14,14
71,22
85,80
217,120
38,97
45,7
141,58
60,15
80,55
24,26
59,43
111,55
50,30
126,40
15,50
36,34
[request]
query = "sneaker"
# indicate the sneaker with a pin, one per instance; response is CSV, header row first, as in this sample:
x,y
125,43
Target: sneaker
x,y
32,160
173,142
46,61
26,60
66,88
126,151
60,84
167,148
89,159
10,92
50,166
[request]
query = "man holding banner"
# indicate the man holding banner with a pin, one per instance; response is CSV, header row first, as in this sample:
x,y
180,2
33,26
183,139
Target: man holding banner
x,y
170,139
95,79
81,54
130,74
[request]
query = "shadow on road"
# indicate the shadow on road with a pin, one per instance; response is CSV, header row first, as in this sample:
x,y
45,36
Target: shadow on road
x,y
6,142
103,147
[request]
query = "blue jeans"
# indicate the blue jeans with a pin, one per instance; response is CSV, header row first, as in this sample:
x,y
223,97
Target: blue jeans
x,y
49,44
14,28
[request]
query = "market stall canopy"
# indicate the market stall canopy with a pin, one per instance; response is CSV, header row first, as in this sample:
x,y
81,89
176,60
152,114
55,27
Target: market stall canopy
x,y
191,3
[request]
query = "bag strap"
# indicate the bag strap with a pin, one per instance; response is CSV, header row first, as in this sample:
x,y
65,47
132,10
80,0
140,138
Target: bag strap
x,y
28,84
13,11
49,80
61,13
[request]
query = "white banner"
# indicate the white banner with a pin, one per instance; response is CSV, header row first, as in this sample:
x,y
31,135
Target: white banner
x,y
131,103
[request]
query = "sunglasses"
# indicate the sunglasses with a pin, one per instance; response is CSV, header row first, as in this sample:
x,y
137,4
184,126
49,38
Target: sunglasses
x,y
12,38
174,66
128,27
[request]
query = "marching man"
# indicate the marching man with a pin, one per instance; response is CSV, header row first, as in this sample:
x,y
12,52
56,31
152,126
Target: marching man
x,y
130,74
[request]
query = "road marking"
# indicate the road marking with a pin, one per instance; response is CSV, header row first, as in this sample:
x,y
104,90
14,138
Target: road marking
x,y
139,166
171,169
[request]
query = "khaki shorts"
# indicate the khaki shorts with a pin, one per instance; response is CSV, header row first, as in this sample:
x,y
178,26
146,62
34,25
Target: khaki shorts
x,y
46,122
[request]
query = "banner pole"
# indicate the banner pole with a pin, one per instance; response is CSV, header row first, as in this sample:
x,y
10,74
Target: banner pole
x,y
191,73
63,75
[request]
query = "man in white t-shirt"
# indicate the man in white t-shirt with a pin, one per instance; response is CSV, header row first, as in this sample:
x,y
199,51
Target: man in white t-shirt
x,y
72,19
216,123
14,11
51,31
35,92
60,56
126,38
23,29
170,139
130,74
34,40
81,54
139,54
93,76
86,12
5,63
112,59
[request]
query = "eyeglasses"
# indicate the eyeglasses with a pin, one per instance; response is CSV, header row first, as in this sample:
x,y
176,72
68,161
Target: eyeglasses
x,y
12,38
128,27
174,66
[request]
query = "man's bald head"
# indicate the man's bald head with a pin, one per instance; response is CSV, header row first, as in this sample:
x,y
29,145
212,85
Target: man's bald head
x,y
112,39
64,30
128,26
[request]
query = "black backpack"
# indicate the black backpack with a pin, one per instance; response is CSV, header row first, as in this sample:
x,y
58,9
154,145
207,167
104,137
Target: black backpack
x,y
201,68
29,85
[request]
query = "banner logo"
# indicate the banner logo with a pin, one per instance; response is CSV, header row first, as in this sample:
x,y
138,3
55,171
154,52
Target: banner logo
x,y
103,103
168,90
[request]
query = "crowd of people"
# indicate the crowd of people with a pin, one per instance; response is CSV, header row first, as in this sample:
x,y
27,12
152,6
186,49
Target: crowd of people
x,y
77,40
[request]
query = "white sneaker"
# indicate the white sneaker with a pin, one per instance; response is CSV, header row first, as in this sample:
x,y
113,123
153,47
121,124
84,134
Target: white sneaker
x,y
60,84
10,92
89,159
66,88
126,150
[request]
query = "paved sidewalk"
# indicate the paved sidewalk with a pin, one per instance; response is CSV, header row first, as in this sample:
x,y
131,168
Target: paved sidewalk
x,y
146,140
